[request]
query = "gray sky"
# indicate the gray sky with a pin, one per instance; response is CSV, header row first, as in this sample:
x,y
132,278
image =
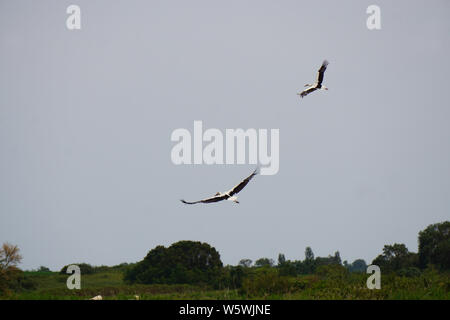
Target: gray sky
x,y
86,118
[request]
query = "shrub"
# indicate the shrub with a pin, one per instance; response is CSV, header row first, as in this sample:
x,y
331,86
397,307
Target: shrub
x,y
333,272
85,268
266,283
410,272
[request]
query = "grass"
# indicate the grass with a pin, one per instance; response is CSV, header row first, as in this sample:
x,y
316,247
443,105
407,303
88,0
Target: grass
x,y
110,285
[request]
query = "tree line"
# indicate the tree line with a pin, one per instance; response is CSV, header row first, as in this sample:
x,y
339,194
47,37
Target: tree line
x,y
193,262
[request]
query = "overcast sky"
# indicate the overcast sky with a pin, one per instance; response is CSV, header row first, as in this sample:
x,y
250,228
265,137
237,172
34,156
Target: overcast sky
x,y
86,118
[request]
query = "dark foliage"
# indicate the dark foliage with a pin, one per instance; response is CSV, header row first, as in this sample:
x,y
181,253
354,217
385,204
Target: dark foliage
x,y
85,268
183,262
13,280
396,257
434,246
264,262
359,265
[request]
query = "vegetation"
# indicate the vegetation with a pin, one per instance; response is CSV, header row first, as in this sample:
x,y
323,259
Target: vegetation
x,y
185,262
327,282
193,270
434,246
11,277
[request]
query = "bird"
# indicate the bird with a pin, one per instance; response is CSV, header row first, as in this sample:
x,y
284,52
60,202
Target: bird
x,y
318,84
229,195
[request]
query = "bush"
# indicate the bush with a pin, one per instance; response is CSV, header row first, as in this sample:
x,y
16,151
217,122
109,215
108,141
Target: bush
x,y
231,277
410,272
332,272
266,283
287,269
14,280
85,268
43,269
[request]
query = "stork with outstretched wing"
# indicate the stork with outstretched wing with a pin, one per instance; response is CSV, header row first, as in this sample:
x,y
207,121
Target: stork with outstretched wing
x,y
318,84
229,195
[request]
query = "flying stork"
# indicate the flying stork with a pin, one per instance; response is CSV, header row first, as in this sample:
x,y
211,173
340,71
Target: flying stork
x,y
318,84
229,195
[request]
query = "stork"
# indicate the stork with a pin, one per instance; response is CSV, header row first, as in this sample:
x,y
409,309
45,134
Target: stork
x,y
318,84
228,195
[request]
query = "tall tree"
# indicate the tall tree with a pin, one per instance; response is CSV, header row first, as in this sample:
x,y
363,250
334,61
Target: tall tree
x,y
281,259
246,263
9,273
309,265
9,256
337,258
395,257
434,245
264,262
359,265
309,255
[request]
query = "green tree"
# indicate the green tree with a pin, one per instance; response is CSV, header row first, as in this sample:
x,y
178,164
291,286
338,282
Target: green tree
x,y
359,265
85,268
337,258
434,246
264,262
9,256
183,262
43,269
323,261
395,257
10,274
281,259
309,255
231,277
246,263
287,268
309,264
